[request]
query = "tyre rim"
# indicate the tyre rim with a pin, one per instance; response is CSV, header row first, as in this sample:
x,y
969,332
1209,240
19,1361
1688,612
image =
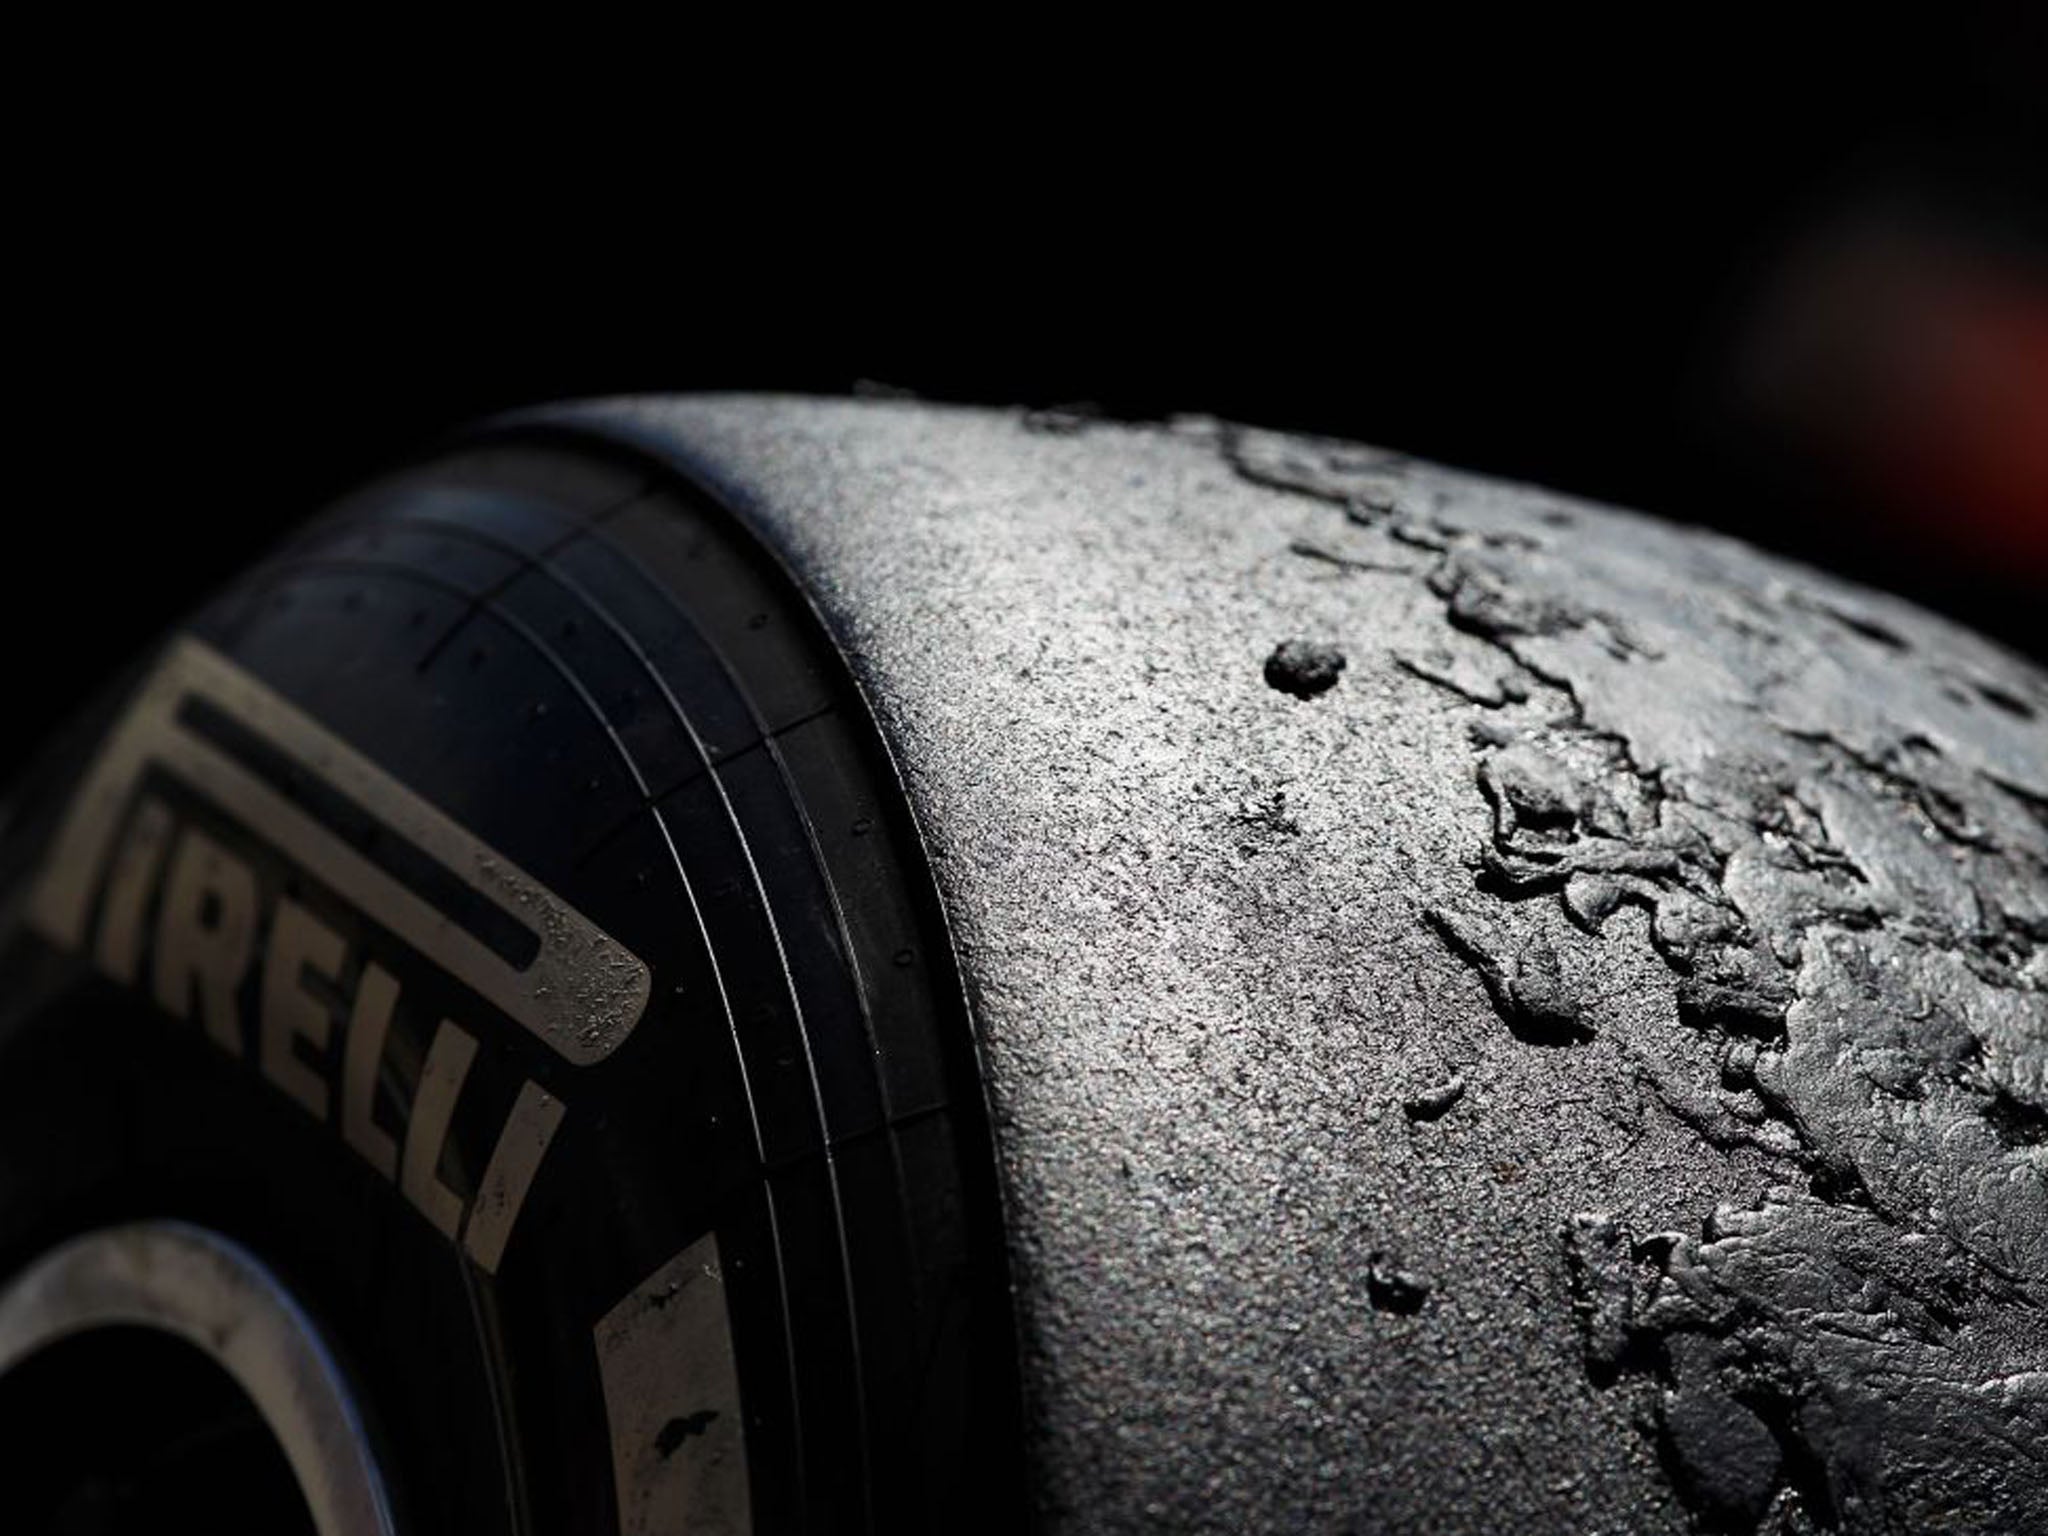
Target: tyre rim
x,y
212,1294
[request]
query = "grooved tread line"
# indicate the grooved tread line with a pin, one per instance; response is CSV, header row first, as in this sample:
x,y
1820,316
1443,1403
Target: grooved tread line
x,y
488,598
305,561
487,601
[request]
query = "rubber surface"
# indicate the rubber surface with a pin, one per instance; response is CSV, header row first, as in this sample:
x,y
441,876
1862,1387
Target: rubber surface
x,y
1496,1013
1580,1065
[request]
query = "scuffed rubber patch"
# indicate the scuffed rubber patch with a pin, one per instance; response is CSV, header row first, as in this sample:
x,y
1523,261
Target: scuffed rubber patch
x,y
1841,858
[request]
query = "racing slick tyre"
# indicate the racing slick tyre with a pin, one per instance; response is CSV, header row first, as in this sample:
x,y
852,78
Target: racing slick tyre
x,y
735,964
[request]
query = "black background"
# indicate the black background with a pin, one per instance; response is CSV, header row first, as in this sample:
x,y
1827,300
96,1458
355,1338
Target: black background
x,y
1522,254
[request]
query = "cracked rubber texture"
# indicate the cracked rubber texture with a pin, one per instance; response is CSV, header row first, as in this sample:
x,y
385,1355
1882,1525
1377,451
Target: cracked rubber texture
x,y
1581,1065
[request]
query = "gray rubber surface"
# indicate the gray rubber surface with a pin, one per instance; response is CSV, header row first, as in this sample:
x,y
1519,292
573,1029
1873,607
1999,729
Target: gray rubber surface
x,y
1500,1015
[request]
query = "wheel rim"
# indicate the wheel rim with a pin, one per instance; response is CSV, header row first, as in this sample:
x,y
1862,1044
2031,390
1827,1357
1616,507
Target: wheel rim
x,y
198,1287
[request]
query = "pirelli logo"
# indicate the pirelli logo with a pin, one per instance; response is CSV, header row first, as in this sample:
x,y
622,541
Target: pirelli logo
x,y
154,880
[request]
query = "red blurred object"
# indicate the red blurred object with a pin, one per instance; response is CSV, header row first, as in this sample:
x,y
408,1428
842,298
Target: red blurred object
x,y
1913,360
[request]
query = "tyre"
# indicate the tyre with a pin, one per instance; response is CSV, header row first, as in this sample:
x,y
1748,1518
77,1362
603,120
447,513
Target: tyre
x,y
758,964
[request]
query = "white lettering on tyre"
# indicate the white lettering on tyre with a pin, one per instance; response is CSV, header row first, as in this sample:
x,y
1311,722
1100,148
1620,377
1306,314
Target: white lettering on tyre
x,y
209,918
672,1398
581,993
